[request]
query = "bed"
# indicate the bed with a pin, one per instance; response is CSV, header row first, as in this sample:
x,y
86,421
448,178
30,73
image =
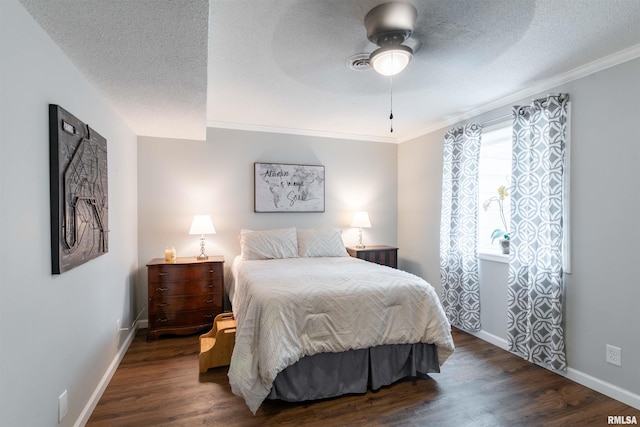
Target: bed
x,y
313,322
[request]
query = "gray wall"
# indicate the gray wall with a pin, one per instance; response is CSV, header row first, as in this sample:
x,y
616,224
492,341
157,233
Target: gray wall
x,y
602,293
177,179
56,332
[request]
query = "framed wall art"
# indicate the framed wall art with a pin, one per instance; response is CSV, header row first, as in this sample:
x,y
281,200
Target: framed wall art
x,y
282,187
78,191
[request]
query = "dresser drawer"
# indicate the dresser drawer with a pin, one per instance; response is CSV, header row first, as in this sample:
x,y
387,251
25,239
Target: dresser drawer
x,y
185,302
171,319
209,286
177,273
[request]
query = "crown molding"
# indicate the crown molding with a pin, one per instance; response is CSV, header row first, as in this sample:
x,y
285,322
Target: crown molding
x,y
603,63
294,131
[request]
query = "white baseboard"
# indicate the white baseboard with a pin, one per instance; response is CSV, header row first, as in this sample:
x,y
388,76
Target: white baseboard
x,y
490,338
104,382
608,389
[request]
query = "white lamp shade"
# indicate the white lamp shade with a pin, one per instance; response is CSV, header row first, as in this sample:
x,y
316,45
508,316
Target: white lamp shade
x,y
202,225
361,220
391,60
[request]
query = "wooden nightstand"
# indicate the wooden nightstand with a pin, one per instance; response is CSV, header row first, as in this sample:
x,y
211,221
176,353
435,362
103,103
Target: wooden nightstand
x,y
184,296
380,254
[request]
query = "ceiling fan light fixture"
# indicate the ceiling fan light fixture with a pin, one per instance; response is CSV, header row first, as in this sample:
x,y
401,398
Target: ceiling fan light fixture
x,y
391,60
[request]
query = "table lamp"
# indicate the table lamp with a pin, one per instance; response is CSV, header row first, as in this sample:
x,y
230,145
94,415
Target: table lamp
x,y
360,221
202,225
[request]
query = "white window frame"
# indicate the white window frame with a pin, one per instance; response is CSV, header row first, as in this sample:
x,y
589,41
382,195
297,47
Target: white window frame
x,y
496,255
566,211
498,131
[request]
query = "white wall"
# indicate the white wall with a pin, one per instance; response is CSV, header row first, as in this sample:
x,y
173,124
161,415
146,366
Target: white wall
x,y
177,179
602,293
57,332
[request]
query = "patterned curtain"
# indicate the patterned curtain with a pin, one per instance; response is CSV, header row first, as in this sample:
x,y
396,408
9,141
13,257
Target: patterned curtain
x,y
536,281
459,227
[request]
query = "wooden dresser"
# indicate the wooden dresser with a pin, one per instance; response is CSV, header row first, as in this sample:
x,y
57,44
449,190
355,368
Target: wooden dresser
x,y
380,254
184,296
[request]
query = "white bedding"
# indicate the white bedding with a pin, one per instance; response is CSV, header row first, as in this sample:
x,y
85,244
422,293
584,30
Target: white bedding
x,y
289,308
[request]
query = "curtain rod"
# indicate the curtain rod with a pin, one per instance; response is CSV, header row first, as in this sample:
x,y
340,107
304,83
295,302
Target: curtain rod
x,y
508,115
496,120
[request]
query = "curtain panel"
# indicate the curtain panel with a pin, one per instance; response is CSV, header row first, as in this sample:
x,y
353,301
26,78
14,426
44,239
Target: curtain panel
x,y
535,289
459,227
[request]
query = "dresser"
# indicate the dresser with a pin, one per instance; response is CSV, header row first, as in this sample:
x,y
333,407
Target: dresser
x,y
380,254
185,295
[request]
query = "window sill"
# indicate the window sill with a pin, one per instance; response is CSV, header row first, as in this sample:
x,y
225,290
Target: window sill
x,y
498,256
493,255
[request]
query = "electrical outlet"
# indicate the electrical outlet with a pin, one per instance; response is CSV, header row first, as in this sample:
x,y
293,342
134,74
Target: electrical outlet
x,y
614,355
63,406
118,329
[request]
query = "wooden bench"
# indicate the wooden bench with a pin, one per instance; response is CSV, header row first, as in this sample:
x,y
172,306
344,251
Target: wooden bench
x,y
216,345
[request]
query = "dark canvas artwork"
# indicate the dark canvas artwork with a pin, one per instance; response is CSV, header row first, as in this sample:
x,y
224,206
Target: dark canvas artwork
x,y
79,191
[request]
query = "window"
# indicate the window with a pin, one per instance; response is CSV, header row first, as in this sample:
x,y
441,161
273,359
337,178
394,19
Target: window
x,y
494,171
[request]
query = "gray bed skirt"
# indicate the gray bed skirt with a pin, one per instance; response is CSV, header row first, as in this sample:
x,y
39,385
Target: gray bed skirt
x,y
333,374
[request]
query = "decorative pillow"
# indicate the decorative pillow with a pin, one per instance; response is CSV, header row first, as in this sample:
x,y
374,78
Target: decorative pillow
x,y
312,243
269,244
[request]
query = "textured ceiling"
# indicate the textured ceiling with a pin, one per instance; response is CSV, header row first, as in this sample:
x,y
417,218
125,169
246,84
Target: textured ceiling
x,y
280,65
148,57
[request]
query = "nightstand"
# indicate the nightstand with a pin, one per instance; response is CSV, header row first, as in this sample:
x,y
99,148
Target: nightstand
x,y
184,296
380,254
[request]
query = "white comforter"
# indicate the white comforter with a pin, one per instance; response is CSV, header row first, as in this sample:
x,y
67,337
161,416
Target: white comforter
x,y
289,308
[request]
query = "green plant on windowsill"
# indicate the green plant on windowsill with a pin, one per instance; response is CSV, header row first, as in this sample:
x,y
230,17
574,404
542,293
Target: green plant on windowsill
x,y
499,233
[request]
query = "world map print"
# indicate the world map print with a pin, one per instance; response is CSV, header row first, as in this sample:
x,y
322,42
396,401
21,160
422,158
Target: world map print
x,y
288,188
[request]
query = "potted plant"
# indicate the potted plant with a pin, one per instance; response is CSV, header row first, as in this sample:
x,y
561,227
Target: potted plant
x,y
500,233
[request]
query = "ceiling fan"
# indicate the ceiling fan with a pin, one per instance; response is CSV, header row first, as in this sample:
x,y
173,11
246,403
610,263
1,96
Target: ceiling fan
x,y
388,25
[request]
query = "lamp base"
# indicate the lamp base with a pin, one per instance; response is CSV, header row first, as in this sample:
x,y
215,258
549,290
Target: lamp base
x,y
360,245
202,255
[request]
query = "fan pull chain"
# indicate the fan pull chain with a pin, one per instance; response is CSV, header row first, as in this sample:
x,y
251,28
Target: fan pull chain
x,y
391,115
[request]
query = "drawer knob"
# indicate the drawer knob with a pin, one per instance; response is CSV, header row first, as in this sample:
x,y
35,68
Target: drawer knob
x,y
162,289
162,304
162,273
211,271
208,301
208,316
163,320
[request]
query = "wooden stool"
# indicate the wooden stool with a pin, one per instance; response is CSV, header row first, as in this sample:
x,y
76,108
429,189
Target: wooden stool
x,y
216,345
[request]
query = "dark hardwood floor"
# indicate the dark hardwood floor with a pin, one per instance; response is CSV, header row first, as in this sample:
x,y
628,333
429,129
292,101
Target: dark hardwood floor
x,y
158,384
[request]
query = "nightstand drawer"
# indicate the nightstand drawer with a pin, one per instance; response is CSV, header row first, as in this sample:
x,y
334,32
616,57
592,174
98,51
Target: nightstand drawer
x,y
185,302
380,254
185,288
182,272
182,318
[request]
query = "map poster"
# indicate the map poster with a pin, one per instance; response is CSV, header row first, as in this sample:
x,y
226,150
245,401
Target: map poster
x,y
288,188
78,191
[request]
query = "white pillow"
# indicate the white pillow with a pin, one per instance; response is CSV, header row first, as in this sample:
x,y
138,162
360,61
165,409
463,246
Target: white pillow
x,y
269,244
312,243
